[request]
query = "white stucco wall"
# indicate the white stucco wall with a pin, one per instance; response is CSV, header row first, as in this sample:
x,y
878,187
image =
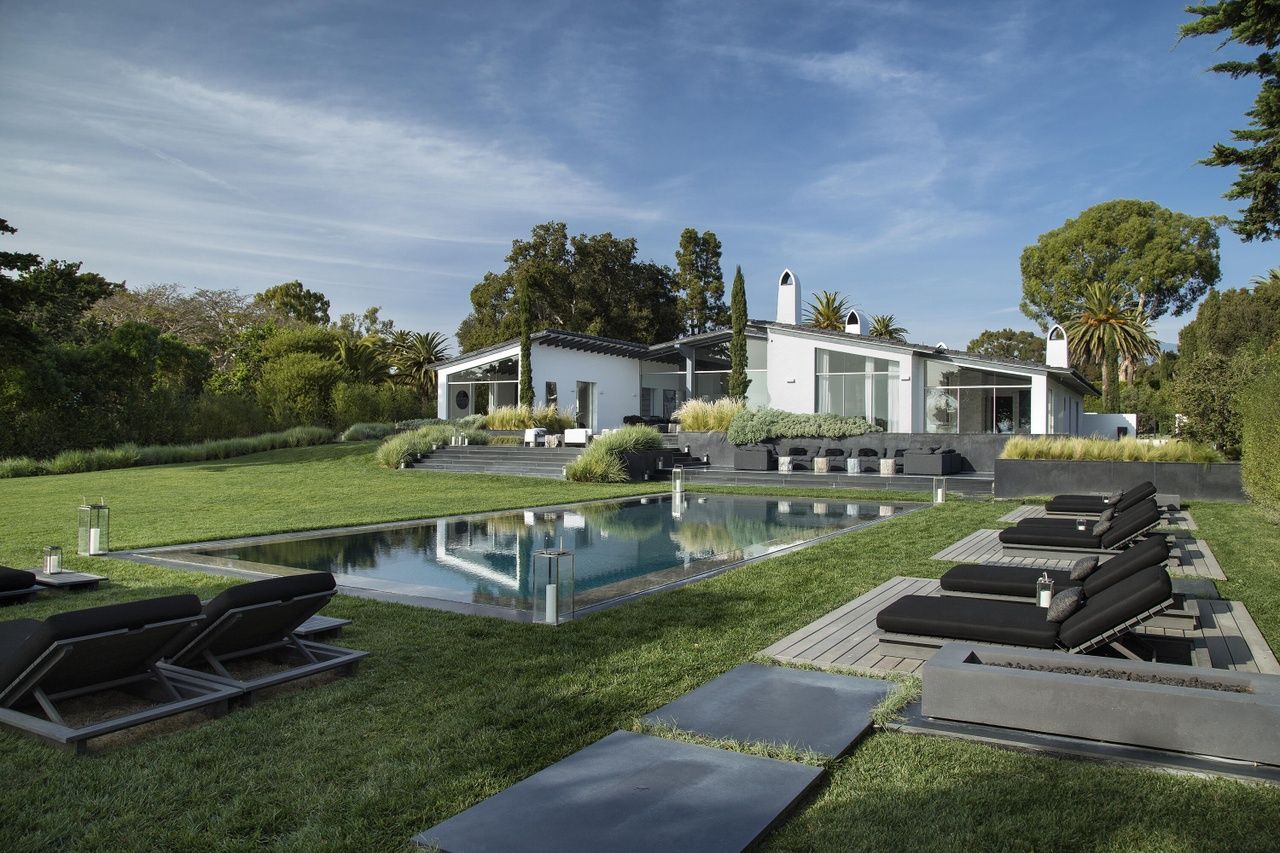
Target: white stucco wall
x,y
617,381
1104,425
792,362
444,400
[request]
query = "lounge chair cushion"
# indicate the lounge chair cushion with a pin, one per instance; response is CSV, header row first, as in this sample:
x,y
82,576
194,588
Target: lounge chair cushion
x,y
1153,551
12,580
1000,579
1092,504
969,619
1123,528
1064,603
94,620
1116,605
1083,567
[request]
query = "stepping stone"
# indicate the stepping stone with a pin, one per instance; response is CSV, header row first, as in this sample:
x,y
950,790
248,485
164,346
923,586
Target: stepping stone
x,y
1196,587
821,711
632,792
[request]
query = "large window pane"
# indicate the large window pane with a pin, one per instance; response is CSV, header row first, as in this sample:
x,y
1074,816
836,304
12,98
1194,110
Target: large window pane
x,y
947,375
940,410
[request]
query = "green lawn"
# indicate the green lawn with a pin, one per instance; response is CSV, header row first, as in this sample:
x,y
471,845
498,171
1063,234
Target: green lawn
x,y
449,709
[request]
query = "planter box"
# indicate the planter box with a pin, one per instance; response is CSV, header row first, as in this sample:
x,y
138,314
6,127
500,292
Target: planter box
x,y
1020,478
639,464
961,684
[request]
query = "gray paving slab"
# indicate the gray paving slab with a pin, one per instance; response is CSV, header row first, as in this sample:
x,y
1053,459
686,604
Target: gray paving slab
x,y
629,792
821,711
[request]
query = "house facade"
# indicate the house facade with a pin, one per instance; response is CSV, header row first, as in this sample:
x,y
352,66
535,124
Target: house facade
x,y
900,387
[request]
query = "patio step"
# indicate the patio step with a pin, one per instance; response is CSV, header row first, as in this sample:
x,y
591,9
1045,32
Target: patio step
x,y
501,459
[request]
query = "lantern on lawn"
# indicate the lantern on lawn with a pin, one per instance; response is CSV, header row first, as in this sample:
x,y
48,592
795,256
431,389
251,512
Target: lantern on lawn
x,y
553,584
52,560
677,480
939,490
94,523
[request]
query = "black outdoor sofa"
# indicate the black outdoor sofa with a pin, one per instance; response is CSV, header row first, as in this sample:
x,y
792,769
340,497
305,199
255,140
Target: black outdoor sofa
x,y
1083,505
43,664
1104,538
916,626
259,621
16,585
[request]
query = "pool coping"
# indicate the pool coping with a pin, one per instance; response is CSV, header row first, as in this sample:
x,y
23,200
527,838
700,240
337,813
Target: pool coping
x,y
155,555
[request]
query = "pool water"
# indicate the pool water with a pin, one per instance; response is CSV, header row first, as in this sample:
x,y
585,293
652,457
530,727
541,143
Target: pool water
x,y
619,548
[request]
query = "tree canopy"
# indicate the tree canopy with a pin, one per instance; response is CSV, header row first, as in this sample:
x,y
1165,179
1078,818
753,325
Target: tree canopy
x,y
886,326
1161,259
295,301
827,310
1255,23
1020,345
1235,319
587,283
700,281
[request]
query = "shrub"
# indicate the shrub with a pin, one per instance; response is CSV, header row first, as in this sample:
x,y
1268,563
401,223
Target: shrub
x,y
96,459
298,389
703,416
601,462
1106,450
415,423
401,447
506,439
21,466
382,402
472,422
1260,438
752,426
365,432
225,416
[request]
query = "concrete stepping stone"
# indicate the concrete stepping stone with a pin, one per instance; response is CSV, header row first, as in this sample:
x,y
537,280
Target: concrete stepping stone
x,y
821,711
631,791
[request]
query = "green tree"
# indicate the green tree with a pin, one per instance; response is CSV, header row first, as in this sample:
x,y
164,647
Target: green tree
x,y
1163,259
366,325
16,336
54,299
738,381
1019,345
1109,327
526,345
413,355
298,388
1235,319
362,360
886,326
1206,395
1255,23
827,310
700,281
295,301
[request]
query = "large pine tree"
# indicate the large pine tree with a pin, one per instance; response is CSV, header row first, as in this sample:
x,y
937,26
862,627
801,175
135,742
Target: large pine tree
x,y
700,281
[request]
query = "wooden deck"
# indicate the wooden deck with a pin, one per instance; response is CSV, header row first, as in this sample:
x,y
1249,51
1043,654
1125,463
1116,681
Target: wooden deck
x,y
1193,557
1227,638
1173,519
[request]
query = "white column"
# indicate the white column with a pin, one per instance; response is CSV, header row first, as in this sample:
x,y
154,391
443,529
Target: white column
x,y
1039,405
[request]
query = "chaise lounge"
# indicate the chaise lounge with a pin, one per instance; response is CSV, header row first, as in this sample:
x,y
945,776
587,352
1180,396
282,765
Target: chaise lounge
x,y
916,626
1103,538
81,653
16,585
1077,505
1060,522
258,621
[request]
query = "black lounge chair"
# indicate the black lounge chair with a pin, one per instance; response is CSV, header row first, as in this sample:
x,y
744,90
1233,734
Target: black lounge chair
x,y
16,585
1037,541
257,621
1096,504
1059,522
1002,580
85,652
916,626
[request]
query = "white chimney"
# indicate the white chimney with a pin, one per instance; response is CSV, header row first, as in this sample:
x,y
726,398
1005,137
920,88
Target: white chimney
x,y
788,299
853,323
1055,349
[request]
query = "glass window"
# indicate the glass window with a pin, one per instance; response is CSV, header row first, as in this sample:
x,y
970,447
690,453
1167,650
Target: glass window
x,y
552,397
854,385
944,374
506,369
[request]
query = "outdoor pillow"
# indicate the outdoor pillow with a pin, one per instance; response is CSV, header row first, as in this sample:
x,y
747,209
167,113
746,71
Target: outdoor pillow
x,y
1107,514
1083,567
1064,604
1112,498
1101,527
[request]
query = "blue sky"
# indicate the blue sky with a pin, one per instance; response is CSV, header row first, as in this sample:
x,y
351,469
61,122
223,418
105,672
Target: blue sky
x,y
902,153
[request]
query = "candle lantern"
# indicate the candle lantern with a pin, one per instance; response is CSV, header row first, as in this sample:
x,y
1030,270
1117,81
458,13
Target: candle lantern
x,y
553,575
939,490
94,524
1044,590
52,560
677,480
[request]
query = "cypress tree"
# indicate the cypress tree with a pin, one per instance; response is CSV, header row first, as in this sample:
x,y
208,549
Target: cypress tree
x,y
526,345
738,381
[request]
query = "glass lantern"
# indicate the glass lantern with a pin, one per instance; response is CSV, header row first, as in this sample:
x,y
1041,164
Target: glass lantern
x,y
94,523
939,490
553,575
52,560
677,480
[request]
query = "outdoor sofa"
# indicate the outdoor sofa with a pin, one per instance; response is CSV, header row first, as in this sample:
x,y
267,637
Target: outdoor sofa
x,y
16,585
754,457
258,621
916,626
1104,538
1095,504
931,461
84,653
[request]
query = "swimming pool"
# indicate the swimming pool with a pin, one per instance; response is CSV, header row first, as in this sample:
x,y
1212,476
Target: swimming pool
x,y
490,562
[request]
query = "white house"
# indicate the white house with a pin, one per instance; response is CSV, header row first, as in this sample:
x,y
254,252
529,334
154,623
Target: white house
x,y
900,387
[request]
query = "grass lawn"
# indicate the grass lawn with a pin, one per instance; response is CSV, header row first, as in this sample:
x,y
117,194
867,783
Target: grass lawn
x,y
450,709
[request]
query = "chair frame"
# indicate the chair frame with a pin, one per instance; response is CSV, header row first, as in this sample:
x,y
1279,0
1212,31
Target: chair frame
x,y
308,656
184,690
17,596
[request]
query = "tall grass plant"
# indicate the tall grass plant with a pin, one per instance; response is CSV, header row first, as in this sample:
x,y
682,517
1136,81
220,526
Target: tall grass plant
x,y
709,416
1107,450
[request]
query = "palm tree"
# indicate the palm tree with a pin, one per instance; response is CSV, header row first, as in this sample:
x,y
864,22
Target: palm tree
x,y
413,357
886,326
1109,327
363,360
828,310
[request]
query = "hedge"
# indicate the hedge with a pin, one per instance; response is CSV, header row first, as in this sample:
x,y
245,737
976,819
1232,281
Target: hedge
x,y
752,426
1260,441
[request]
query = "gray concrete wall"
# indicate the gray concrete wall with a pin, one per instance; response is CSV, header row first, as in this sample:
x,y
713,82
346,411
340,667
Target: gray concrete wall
x,y
979,451
1019,478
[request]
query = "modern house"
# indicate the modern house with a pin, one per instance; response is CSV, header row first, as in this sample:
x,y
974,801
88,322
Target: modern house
x,y
901,387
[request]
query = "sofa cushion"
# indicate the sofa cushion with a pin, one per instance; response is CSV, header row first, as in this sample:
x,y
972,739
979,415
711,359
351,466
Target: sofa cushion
x,y
957,618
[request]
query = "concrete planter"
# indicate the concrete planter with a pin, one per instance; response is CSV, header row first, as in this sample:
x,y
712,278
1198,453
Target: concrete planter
x,y
978,452
960,683
1019,478
640,463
